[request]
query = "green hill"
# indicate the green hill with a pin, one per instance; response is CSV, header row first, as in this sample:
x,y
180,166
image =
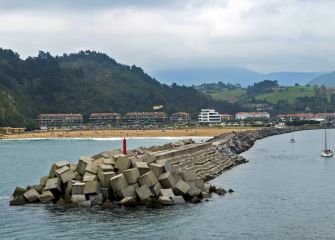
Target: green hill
x,y
327,80
86,82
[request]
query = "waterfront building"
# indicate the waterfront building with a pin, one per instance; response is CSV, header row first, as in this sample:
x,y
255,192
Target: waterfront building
x,y
10,130
301,116
105,118
246,115
180,117
227,117
145,118
60,119
209,116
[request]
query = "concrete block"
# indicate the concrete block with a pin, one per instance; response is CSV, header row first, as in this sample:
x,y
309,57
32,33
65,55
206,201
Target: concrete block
x,y
68,188
91,187
73,167
199,183
31,195
62,170
129,202
106,193
157,169
167,165
43,180
91,168
47,196
17,201
156,189
134,160
89,178
193,191
144,192
189,175
96,200
132,175
181,188
38,187
142,167
109,161
105,178
128,192
67,176
78,188
148,179
167,193
118,182
78,198
105,168
148,158
166,201
19,191
167,180
54,185
122,163
52,172
82,163
62,164
178,200
85,204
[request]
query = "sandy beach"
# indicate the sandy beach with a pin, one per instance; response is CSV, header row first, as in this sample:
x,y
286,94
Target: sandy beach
x,y
201,132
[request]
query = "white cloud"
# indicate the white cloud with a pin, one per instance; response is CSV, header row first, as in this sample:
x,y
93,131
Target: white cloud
x,y
266,35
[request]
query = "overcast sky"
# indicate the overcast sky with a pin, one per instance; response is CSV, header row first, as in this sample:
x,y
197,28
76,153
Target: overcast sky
x,y
263,35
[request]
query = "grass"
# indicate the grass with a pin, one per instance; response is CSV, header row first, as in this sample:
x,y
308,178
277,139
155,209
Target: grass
x,y
290,94
230,96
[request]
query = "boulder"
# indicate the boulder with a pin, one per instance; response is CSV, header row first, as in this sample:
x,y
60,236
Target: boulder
x,y
167,180
132,175
78,198
157,169
78,188
181,188
118,182
167,193
128,192
144,192
96,200
54,185
18,201
148,179
82,163
142,167
91,187
122,163
31,195
47,196
108,205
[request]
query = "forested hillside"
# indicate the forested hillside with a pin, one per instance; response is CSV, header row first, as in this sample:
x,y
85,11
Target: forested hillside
x,y
86,82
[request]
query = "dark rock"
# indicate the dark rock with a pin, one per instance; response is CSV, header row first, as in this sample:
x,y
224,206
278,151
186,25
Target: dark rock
x,y
230,190
17,201
108,205
220,191
195,200
19,191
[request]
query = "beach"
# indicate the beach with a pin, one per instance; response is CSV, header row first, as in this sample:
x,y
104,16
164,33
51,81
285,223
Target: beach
x,y
189,132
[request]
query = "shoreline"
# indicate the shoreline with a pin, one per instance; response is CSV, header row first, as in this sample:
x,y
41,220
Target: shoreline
x,y
119,133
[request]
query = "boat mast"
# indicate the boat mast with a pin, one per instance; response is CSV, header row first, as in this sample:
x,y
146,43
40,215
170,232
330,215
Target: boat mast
x,y
326,129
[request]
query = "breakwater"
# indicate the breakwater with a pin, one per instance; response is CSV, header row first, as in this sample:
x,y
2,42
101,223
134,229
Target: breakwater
x,y
159,175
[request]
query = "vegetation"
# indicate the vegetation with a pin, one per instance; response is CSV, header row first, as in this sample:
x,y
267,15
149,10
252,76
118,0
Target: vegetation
x,y
86,82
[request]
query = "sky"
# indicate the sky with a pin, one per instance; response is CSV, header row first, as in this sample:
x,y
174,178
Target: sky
x,y
263,35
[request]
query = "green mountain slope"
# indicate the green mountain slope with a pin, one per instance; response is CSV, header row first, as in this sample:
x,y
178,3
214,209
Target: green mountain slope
x,y
327,80
86,82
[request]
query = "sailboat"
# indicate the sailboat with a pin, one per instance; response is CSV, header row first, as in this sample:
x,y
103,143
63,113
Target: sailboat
x,y
326,152
292,138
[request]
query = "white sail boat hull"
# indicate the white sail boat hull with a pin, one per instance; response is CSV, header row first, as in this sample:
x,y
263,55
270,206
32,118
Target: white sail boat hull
x,y
327,153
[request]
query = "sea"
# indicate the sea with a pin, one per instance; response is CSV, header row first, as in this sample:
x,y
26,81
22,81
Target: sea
x,y
285,191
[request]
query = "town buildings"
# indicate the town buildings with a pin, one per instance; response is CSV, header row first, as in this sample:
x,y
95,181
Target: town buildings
x,y
60,119
106,118
145,118
180,118
209,116
253,115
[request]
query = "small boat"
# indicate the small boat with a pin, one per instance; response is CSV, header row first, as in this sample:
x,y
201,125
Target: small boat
x,y
326,152
292,140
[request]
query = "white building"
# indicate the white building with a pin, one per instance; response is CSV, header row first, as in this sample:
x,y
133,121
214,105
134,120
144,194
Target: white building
x,y
209,116
245,115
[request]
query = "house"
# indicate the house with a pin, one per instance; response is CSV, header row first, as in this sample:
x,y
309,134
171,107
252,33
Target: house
x,y
60,119
246,115
300,116
209,116
145,118
105,118
10,130
180,117
227,117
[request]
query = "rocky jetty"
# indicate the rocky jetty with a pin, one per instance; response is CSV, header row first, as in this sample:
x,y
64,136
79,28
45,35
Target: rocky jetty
x,y
170,174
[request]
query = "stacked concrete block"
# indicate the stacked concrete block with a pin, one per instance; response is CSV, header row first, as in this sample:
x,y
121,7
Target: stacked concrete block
x,y
144,192
148,158
82,163
62,164
149,179
157,168
167,180
89,178
128,192
46,197
54,185
118,182
181,188
105,178
77,188
167,193
31,195
91,187
91,168
189,175
132,175
78,198
142,167
109,161
122,163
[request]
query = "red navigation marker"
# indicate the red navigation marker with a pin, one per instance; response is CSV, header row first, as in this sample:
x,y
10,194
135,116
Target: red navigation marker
x,y
124,146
